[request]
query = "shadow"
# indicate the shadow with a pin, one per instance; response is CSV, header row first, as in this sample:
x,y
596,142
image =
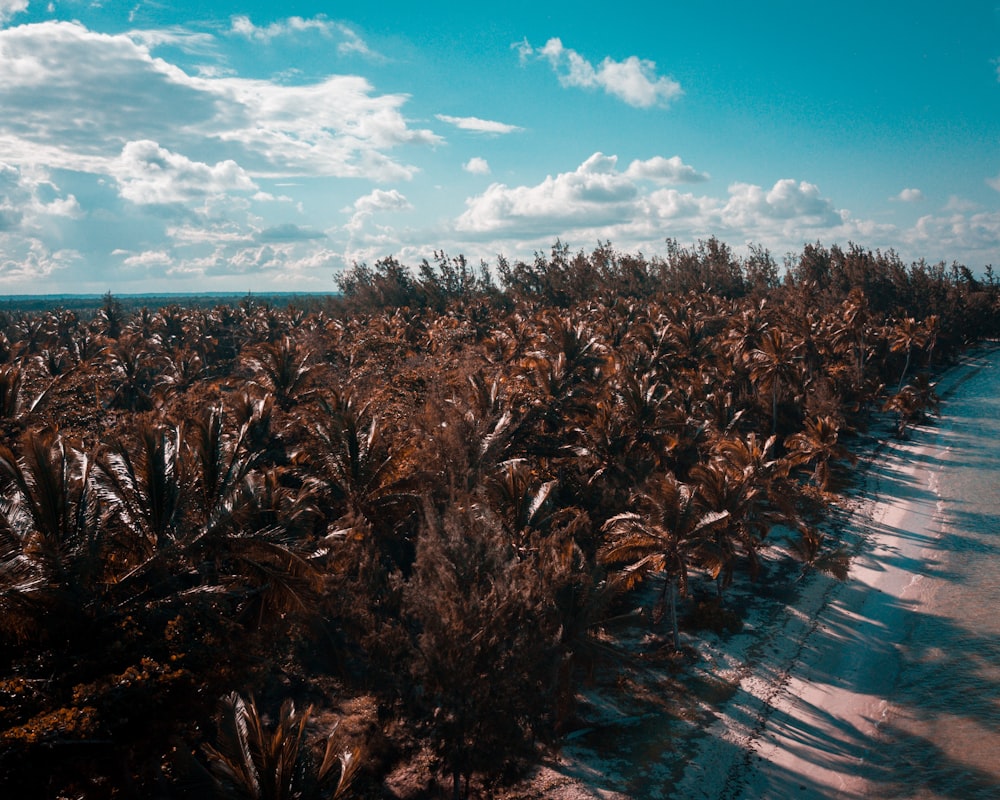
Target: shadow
x,y
892,688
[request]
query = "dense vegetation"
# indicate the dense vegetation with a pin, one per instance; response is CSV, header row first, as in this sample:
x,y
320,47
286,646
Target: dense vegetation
x,y
417,506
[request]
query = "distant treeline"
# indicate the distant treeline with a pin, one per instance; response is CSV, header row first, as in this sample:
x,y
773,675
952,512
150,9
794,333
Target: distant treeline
x,y
90,303
562,278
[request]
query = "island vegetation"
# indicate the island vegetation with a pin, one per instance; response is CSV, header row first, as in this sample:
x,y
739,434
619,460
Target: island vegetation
x,y
413,509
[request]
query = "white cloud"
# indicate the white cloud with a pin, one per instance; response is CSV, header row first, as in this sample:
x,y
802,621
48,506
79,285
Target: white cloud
x,y
351,42
188,41
909,196
477,125
28,195
750,206
62,207
149,174
27,262
665,170
633,80
477,166
594,193
597,201
994,183
959,204
73,98
957,233
242,26
8,8
381,200
376,200
216,234
149,258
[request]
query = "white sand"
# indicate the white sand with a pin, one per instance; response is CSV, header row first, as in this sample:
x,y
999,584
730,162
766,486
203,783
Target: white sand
x,y
811,701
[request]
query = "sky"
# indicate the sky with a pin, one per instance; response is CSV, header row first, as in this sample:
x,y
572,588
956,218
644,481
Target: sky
x,y
250,146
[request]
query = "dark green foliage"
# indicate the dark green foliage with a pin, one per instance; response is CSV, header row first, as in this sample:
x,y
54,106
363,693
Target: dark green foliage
x,y
486,656
252,762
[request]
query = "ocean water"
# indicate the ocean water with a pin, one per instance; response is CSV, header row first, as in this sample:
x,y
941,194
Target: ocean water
x,y
940,735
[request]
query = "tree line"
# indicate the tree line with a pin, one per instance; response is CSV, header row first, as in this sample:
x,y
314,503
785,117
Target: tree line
x,y
424,499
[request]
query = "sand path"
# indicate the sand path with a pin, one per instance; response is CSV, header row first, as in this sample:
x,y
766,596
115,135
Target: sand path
x,y
808,711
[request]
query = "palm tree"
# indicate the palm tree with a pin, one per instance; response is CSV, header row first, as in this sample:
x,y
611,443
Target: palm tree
x,y
720,489
853,330
134,369
49,508
667,534
143,484
772,367
284,368
366,483
188,518
10,390
818,444
469,436
912,402
904,335
251,762
51,548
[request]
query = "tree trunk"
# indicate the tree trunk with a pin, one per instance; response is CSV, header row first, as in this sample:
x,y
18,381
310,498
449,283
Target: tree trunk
x,y
906,367
774,407
673,614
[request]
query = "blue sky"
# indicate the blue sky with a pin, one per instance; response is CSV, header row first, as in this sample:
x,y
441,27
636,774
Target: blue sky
x,y
258,147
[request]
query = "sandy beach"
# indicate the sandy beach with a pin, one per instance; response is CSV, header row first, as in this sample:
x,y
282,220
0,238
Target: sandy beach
x,y
808,712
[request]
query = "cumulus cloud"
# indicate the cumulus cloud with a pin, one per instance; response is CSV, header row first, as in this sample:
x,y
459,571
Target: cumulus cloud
x,y
381,200
73,98
633,80
958,232
351,41
598,201
28,262
149,174
665,170
595,193
909,196
477,125
376,200
8,8
994,183
27,195
477,166
751,206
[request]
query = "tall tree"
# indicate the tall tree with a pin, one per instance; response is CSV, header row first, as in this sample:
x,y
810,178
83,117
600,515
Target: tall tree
x,y
668,533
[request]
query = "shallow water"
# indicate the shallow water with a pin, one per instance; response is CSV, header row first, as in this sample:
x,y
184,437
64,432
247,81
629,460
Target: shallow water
x,y
940,736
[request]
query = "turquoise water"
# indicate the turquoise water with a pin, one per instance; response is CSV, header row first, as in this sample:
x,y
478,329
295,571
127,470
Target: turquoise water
x,y
940,737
